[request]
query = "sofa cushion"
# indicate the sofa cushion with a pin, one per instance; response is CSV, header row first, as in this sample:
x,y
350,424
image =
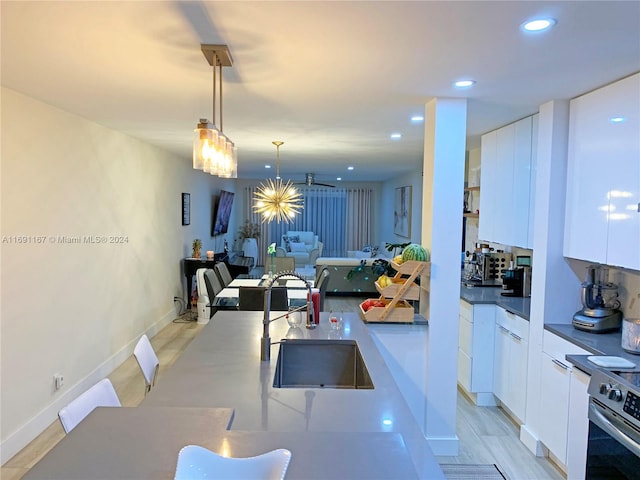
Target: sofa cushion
x,y
297,247
287,239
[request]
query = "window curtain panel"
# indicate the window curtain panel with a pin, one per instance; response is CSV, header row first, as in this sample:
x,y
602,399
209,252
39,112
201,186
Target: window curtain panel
x,y
359,218
340,217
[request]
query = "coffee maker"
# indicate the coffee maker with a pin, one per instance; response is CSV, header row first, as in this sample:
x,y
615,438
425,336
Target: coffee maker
x,y
516,282
600,303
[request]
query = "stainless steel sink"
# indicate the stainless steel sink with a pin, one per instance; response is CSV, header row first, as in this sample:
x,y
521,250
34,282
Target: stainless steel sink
x,y
321,364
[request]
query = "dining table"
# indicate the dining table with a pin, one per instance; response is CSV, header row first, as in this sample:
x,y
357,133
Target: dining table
x,y
228,298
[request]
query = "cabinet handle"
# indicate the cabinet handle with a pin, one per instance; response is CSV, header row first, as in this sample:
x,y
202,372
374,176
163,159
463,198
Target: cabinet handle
x,y
638,207
560,364
502,328
515,336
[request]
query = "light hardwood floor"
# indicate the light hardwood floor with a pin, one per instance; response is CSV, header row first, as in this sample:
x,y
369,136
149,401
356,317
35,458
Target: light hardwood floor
x,y
486,434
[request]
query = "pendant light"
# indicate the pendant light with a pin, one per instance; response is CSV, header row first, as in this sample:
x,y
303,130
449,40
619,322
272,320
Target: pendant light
x,y
275,199
213,152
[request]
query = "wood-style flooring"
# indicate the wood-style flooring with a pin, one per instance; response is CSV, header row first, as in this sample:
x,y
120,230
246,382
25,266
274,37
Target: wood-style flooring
x,y
486,434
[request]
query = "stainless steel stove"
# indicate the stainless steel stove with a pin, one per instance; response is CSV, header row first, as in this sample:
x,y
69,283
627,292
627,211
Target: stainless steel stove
x,y
613,450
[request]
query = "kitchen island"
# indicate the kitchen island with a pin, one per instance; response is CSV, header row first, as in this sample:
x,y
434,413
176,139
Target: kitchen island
x,y
371,432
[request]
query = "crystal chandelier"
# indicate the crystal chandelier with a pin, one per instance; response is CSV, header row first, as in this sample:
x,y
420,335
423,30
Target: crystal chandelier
x,y
275,199
213,152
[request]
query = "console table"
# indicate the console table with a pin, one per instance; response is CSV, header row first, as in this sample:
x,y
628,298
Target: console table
x,y
191,265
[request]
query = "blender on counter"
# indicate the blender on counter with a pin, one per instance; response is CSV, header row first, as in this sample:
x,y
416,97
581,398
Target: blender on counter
x,y
600,303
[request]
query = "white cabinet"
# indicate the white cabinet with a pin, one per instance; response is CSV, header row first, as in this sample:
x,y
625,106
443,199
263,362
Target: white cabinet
x,y
510,361
507,179
475,351
602,222
578,431
555,396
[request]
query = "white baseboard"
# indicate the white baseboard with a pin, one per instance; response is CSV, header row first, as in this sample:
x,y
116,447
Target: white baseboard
x,y
444,446
19,439
530,440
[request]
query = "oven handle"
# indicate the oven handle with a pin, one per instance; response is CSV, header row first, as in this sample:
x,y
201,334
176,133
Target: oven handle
x,y
605,424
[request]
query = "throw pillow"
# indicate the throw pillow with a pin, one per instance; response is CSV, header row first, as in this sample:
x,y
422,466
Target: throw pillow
x,y
294,238
287,244
298,247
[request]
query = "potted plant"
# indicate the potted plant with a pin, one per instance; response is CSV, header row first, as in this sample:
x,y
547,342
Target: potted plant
x,y
249,230
248,234
196,245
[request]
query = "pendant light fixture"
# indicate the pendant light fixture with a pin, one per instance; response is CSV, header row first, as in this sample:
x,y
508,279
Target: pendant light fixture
x,y
213,152
275,199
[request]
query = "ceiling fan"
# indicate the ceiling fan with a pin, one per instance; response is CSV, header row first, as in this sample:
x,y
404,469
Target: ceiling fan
x,y
310,181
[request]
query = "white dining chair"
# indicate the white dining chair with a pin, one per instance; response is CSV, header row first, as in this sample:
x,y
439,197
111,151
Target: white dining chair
x,y
148,362
196,462
102,394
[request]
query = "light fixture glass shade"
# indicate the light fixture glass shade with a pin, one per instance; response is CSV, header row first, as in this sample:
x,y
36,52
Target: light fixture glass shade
x,y
205,141
228,168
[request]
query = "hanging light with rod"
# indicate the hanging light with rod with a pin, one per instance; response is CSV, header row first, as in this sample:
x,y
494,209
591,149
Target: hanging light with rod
x,y
275,199
213,152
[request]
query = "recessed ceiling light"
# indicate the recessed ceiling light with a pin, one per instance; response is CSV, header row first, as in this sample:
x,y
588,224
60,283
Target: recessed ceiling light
x,y
417,118
617,119
464,83
538,25
396,136
349,167
338,178
267,166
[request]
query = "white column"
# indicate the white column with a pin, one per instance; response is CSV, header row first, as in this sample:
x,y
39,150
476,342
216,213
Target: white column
x,y
443,193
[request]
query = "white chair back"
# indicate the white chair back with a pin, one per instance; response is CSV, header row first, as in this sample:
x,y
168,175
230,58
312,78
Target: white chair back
x,y
102,394
195,462
147,360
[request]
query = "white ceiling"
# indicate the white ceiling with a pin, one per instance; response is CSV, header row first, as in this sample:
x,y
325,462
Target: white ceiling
x,y
330,79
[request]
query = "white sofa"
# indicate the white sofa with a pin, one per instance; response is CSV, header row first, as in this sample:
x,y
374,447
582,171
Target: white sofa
x,y
304,247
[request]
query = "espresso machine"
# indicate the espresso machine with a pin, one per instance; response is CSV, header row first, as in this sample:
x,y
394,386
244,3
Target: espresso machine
x,y
600,303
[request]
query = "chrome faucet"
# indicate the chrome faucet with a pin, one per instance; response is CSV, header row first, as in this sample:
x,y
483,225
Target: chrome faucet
x,y
265,343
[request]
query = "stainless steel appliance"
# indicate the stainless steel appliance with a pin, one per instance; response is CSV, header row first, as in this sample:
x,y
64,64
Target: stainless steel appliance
x,y
613,448
600,302
517,282
485,269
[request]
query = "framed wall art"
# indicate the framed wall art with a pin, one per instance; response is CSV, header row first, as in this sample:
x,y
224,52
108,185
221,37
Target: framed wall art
x,y
186,208
402,212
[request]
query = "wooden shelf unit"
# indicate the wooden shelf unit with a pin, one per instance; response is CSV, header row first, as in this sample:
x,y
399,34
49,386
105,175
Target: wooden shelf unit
x,y
397,309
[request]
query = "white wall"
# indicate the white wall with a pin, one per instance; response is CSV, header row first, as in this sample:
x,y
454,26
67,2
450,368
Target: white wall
x,y
385,226
78,308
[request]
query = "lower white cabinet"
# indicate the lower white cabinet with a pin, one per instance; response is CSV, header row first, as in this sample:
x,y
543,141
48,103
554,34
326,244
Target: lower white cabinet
x,y
556,402
578,431
475,351
510,361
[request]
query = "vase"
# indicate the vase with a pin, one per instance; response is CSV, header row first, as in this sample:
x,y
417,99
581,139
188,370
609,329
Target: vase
x,y
250,249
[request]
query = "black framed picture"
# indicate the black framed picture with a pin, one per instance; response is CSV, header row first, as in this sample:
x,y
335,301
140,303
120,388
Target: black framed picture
x,y
186,208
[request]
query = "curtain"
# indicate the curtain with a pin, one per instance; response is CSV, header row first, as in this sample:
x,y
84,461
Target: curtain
x,y
340,217
359,218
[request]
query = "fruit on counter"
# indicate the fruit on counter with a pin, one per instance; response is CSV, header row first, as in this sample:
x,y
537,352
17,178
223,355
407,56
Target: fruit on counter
x,y
384,281
372,302
398,259
415,252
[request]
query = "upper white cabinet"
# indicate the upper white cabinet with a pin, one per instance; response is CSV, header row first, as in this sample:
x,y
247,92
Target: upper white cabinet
x,y
602,221
507,179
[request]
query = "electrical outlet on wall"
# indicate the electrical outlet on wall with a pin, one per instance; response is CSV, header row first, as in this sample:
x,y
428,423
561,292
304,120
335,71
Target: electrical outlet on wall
x,y
58,381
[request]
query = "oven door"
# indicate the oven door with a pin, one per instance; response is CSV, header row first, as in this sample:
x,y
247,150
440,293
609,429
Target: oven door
x,y
613,449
